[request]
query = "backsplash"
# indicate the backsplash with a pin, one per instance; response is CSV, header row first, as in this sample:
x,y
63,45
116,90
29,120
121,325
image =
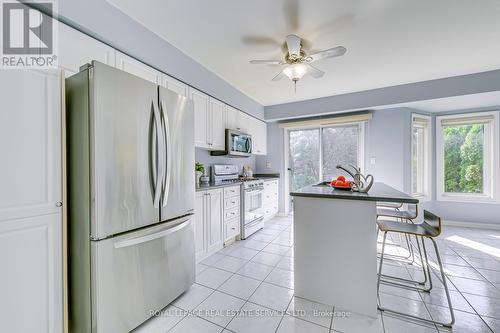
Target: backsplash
x,y
204,157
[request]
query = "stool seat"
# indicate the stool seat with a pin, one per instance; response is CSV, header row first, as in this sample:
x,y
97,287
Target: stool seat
x,y
402,214
407,228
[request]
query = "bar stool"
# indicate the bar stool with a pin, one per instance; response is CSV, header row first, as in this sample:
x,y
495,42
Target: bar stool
x,y
430,228
404,216
407,216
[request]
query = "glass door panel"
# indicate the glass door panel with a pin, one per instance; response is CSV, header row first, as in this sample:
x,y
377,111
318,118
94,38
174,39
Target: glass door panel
x,y
339,146
304,151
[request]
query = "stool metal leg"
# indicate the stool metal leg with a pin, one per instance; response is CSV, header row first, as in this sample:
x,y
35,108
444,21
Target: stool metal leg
x,y
381,308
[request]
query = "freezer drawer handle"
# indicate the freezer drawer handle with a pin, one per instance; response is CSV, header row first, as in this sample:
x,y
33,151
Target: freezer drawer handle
x,y
150,237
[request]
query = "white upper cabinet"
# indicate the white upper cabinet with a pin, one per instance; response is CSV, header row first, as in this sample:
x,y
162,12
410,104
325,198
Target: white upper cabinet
x,y
77,49
259,137
201,119
232,116
217,121
245,122
175,85
132,66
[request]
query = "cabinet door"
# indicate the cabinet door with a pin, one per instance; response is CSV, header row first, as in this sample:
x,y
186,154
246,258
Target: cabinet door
x,y
132,66
175,85
232,118
215,219
201,119
77,49
217,122
245,122
30,196
260,137
200,214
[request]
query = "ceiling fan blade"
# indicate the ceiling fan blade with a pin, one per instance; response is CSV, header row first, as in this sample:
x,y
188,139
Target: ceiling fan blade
x,y
314,72
266,62
293,44
279,76
329,53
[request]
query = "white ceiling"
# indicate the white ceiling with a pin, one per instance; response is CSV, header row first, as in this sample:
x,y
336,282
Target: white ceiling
x,y
389,42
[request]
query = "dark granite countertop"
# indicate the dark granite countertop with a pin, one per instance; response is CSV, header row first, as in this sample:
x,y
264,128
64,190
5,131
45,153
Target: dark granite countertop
x,y
212,186
267,176
378,192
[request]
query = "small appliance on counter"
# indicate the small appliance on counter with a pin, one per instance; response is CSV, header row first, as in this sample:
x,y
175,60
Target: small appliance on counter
x,y
247,172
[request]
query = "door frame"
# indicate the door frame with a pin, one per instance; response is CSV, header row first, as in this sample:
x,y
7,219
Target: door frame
x,y
286,152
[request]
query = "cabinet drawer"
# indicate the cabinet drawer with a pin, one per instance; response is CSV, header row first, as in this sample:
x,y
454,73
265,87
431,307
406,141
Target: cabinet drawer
x,y
270,210
270,197
271,184
231,228
233,202
231,191
231,213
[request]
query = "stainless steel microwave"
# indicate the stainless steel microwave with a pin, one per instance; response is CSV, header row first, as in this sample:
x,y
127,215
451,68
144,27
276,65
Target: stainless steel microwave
x,y
238,144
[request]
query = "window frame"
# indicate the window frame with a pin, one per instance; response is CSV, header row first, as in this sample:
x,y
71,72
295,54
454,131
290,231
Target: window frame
x,y
490,164
427,155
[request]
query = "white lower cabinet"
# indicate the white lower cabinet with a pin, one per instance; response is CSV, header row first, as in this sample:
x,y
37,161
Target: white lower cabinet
x,y
31,253
270,199
208,222
217,219
232,213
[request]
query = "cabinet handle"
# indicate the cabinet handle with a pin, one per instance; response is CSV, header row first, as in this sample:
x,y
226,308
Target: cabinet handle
x,y
59,204
233,228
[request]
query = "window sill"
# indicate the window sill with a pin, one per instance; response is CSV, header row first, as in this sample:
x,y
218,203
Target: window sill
x,y
467,198
421,198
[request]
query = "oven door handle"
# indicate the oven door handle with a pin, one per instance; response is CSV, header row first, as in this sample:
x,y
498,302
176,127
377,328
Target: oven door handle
x,y
254,222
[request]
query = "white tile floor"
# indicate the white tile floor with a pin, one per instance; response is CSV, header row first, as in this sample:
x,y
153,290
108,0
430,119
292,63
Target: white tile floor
x,y
248,287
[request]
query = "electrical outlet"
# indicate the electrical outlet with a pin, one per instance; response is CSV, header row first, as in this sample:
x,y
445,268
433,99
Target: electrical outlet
x,y
268,165
372,161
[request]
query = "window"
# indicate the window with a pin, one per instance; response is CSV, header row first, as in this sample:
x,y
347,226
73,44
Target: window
x,y
314,153
420,156
467,150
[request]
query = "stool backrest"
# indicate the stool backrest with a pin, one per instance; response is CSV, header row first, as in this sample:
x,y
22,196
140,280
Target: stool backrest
x,y
432,223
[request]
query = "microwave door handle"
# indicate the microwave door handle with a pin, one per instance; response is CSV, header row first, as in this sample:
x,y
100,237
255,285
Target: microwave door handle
x,y
248,145
166,152
150,237
155,162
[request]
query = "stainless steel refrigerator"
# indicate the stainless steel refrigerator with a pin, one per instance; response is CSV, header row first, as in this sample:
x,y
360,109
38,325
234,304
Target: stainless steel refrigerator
x,y
130,154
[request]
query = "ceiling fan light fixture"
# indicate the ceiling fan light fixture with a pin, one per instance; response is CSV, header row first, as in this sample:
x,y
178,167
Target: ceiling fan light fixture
x,y
295,72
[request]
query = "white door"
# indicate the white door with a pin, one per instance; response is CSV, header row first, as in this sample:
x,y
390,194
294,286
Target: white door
x,y
214,220
175,85
200,217
30,199
132,66
217,121
77,49
232,118
201,119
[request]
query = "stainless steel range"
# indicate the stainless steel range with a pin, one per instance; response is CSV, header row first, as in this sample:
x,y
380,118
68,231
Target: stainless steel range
x,y
252,218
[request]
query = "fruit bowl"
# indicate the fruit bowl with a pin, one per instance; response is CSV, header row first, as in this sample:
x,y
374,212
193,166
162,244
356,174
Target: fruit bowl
x,y
341,183
346,187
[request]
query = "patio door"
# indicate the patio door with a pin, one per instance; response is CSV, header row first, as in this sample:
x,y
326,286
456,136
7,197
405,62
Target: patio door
x,y
314,153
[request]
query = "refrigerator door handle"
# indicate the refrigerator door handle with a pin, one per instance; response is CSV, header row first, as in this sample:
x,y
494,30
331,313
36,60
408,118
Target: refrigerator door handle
x,y
153,236
167,157
159,170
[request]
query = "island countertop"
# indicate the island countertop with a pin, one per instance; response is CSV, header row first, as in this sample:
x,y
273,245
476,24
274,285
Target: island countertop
x,y
379,192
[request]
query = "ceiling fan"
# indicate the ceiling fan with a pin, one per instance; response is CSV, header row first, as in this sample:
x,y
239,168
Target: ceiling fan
x,y
298,62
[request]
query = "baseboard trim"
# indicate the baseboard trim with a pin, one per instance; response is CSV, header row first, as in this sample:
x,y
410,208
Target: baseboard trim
x,y
478,225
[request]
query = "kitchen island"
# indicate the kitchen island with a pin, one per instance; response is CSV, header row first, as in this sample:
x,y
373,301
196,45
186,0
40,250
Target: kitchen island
x,y
335,245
